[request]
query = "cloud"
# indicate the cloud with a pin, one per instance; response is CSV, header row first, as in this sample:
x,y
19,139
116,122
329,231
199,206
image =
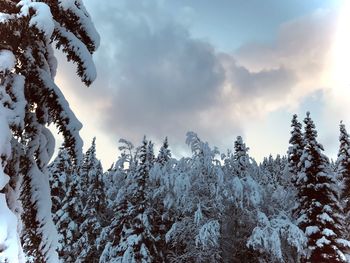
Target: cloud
x,y
155,78
303,46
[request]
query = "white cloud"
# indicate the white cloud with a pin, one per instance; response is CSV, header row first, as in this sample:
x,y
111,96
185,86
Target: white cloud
x,y
303,46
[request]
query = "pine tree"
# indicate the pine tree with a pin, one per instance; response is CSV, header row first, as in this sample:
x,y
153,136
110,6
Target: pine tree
x,y
32,101
60,169
195,234
319,213
295,149
117,206
136,242
343,174
68,218
65,205
276,234
89,246
240,155
243,195
343,165
164,153
87,170
162,215
237,162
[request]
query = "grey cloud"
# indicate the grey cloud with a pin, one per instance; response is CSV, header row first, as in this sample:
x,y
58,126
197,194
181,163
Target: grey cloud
x,y
266,83
154,78
161,80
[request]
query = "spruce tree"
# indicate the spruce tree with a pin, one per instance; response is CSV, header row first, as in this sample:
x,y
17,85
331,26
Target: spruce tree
x,y
60,169
239,217
198,195
118,180
29,30
162,215
343,174
319,213
295,149
136,242
89,246
343,166
87,170
164,154
240,157
68,218
66,206
237,163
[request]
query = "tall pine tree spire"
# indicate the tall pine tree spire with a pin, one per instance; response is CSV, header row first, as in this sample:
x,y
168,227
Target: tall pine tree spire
x,y
343,174
343,164
66,204
94,207
241,150
319,213
240,158
164,153
295,149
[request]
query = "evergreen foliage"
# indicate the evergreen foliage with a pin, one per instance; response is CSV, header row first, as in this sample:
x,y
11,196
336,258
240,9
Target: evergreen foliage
x,y
93,214
202,209
296,148
343,166
30,101
319,212
65,208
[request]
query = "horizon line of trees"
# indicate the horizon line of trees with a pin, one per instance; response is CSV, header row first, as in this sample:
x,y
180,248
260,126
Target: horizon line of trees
x,y
210,207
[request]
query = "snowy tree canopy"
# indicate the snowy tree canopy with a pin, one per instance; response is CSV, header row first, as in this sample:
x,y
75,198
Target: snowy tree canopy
x,y
205,209
319,212
30,101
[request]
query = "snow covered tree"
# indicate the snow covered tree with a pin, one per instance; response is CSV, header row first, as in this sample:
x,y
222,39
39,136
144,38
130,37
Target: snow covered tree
x,y
164,153
134,240
31,100
319,212
60,169
272,172
87,170
237,162
265,170
117,182
89,247
296,148
66,206
158,192
343,175
280,173
270,234
68,218
343,165
115,177
195,234
240,156
243,196
276,237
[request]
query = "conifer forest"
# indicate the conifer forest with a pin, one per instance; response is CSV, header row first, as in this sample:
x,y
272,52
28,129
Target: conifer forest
x,y
150,206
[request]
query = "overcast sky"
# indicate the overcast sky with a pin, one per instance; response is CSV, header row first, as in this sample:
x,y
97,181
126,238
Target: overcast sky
x,y
219,68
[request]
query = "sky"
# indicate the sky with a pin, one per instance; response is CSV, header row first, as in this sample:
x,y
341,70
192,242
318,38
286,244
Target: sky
x,y
218,68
